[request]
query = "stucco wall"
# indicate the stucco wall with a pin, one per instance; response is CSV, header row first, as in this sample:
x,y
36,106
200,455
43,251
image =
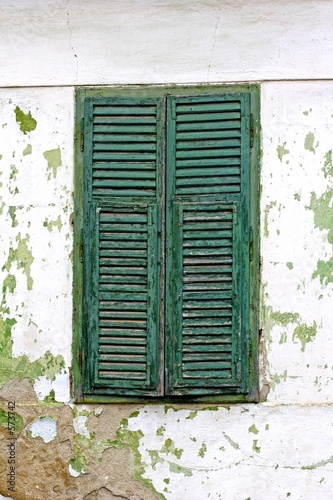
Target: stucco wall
x,y
276,449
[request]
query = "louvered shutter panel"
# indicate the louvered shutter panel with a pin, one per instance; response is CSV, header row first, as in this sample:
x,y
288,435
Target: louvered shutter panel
x,y
207,247
122,211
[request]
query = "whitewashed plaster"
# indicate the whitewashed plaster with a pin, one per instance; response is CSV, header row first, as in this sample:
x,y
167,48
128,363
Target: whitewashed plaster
x,y
293,173
36,200
67,42
247,452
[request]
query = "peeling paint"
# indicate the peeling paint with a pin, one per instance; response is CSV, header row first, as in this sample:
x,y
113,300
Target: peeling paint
x,y
23,258
53,158
53,223
309,142
202,450
25,120
27,150
328,164
253,429
305,334
12,214
322,208
324,271
45,428
282,151
267,209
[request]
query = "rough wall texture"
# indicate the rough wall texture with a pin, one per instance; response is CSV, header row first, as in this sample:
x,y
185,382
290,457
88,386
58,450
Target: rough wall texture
x,y
276,449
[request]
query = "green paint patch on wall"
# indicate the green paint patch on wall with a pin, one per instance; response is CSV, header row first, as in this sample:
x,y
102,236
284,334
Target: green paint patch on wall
x,y
266,213
202,450
323,212
290,265
305,334
53,223
53,158
12,214
25,120
23,258
324,271
328,164
253,429
131,439
309,142
79,462
255,446
4,420
169,447
27,150
282,151
178,469
231,441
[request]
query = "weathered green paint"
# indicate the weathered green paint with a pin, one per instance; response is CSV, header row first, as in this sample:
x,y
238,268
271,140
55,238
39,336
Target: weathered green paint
x,y
53,223
323,213
25,120
50,398
131,439
202,450
23,258
79,462
266,213
9,283
12,214
160,431
13,172
315,466
284,318
178,469
290,265
305,334
297,196
309,142
21,367
231,441
2,206
253,429
53,158
324,271
169,447
282,151
27,150
4,420
328,164
255,446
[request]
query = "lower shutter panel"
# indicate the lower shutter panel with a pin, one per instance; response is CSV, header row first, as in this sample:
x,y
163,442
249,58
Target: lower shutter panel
x,y
125,294
206,298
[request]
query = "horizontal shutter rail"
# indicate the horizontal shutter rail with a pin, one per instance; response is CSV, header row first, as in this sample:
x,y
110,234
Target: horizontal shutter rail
x,y
209,144
121,334
215,106
115,166
117,305
102,133
208,125
207,171
201,135
198,117
207,162
205,332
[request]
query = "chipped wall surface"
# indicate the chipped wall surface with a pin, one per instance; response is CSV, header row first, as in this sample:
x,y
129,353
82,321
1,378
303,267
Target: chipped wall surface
x,y
276,449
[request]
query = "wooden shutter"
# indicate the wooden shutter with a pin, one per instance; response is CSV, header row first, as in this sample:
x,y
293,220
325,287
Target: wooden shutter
x,y
207,244
122,249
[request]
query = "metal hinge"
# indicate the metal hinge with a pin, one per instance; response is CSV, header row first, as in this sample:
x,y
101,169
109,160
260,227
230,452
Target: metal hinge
x,y
251,130
82,137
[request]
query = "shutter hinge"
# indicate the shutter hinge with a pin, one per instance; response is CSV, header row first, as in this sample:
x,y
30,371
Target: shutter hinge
x,y
251,130
82,137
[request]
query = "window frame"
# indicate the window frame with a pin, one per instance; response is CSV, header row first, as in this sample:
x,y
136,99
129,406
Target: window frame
x,y
79,358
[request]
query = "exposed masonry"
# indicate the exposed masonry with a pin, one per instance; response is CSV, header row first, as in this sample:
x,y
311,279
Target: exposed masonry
x,y
156,451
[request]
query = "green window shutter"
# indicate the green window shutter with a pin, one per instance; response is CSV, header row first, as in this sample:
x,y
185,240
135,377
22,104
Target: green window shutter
x,y
121,245
207,293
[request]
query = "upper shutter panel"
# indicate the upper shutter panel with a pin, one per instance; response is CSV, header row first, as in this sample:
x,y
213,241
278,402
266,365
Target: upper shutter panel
x,y
126,146
208,133
208,244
